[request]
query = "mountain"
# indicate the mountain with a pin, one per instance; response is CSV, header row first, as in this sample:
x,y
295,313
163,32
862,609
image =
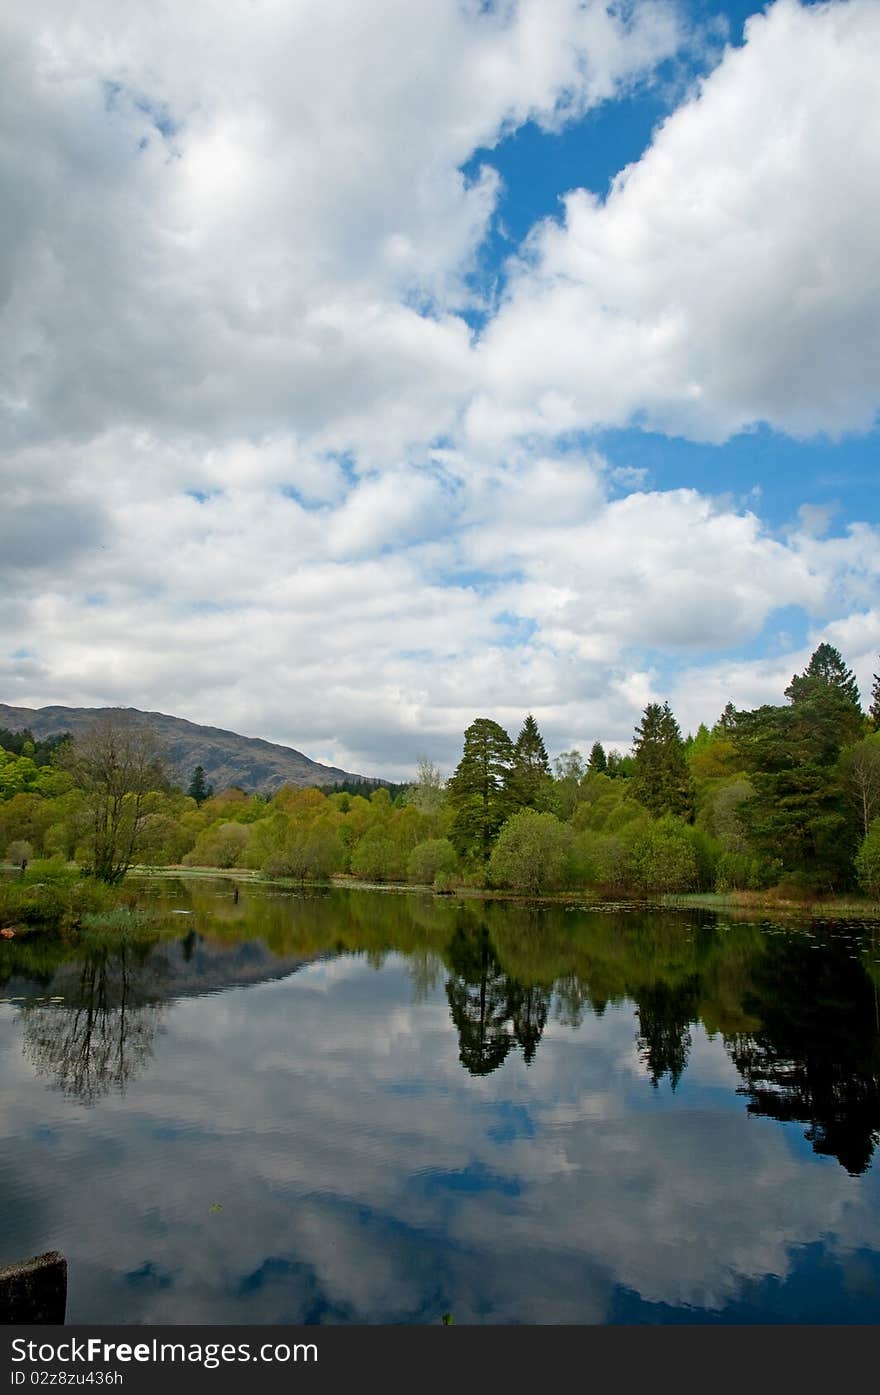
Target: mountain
x,y
228,759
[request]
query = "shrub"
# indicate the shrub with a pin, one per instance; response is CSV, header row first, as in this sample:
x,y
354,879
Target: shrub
x,y
868,861
429,859
533,853
663,856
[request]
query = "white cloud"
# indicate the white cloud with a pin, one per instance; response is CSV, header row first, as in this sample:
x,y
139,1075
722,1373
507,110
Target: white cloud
x,y
731,275
220,219
237,251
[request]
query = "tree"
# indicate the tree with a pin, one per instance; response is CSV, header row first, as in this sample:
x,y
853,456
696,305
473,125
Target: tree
x,y
199,789
868,861
429,858
598,762
799,815
661,781
874,709
827,683
530,776
533,853
860,767
427,793
20,852
115,764
479,790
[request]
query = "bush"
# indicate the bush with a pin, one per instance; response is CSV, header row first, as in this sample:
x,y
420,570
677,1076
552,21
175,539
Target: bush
x,y
429,859
663,856
52,897
868,861
221,845
533,853
307,853
375,859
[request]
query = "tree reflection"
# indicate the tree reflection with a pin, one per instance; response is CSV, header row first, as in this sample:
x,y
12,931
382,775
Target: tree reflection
x,y
816,1058
491,1011
101,1036
665,1013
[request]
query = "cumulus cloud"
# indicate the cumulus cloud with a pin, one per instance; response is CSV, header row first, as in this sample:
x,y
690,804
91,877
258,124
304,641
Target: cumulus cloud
x,y
259,467
255,216
375,625
730,277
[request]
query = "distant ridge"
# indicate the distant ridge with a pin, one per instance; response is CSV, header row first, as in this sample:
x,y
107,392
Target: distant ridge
x,y
228,759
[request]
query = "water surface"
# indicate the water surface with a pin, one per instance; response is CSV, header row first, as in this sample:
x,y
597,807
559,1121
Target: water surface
x,y
369,1107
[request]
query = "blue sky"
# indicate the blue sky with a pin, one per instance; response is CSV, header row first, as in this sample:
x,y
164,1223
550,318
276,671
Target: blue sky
x,y
365,370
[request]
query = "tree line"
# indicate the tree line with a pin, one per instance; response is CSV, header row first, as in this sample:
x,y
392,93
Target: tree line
x,y
782,795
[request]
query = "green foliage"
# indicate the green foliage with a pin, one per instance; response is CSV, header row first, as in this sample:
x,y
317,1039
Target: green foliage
x,y
874,709
533,853
115,765
428,793
529,781
199,789
569,771
311,853
221,845
800,813
860,771
50,896
826,684
479,790
598,761
20,852
603,860
661,780
868,861
376,859
663,856
24,743
428,860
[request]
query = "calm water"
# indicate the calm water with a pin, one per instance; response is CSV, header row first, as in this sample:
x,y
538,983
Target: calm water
x,y
373,1108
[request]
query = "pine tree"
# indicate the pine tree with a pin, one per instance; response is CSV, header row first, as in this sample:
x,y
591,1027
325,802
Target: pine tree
x,y
660,779
479,790
530,776
198,786
598,761
826,682
874,709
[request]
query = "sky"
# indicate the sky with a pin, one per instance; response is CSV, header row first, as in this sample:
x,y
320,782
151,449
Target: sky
x,y
365,369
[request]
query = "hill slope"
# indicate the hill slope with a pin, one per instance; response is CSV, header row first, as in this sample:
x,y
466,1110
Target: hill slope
x,y
228,759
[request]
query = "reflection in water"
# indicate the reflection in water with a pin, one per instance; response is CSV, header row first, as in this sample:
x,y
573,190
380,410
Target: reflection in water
x,y
360,1139
491,1011
665,1015
101,1036
816,1057
797,1009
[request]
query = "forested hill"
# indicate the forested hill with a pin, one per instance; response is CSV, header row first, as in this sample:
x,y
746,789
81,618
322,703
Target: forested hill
x,y
227,758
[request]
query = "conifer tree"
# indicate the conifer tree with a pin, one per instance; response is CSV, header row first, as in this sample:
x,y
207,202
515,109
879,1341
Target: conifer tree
x,y
479,789
598,761
530,776
874,709
827,683
660,779
198,786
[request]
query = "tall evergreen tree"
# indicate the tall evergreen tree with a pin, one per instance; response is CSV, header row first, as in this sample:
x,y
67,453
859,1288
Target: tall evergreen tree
x,y
799,815
530,777
598,761
828,683
479,789
198,785
661,780
874,709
